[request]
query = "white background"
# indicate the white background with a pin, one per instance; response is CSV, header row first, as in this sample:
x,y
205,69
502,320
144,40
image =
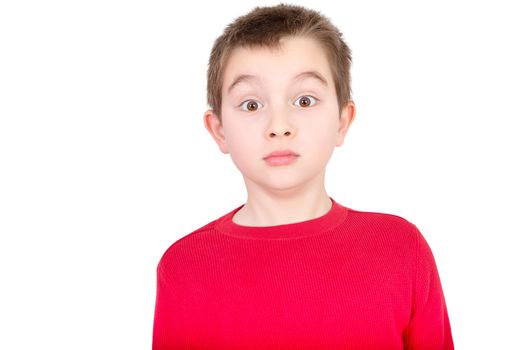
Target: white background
x,y
105,161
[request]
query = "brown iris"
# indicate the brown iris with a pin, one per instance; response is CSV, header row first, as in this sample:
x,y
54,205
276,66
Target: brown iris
x,y
303,100
251,104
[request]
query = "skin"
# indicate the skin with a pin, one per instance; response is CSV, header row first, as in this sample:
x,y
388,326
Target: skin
x,y
259,118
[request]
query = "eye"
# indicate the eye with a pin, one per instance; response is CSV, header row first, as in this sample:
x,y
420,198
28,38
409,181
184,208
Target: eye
x,y
305,101
251,105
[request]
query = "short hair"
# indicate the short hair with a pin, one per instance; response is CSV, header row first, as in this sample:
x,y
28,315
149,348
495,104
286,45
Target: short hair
x,y
264,27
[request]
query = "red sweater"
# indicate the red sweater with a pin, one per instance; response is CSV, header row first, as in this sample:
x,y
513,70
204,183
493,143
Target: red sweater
x,y
345,280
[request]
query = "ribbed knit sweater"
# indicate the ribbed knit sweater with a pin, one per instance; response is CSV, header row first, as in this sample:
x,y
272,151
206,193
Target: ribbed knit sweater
x,y
345,280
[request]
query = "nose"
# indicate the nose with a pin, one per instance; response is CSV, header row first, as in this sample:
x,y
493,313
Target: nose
x,y
286,133
280,126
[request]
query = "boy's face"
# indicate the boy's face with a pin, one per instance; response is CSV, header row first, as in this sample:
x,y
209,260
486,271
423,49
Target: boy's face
x,y
275,111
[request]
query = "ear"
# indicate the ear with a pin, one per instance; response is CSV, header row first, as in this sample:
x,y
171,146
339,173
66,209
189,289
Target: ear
x,y
214,127
345,120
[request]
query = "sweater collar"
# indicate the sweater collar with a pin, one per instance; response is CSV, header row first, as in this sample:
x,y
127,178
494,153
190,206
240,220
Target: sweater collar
x,y
334,217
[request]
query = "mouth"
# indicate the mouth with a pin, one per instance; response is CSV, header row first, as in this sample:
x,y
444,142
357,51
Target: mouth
x,y
282,159
282,153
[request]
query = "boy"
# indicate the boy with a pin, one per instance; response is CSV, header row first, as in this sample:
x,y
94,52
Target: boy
x,y
292,268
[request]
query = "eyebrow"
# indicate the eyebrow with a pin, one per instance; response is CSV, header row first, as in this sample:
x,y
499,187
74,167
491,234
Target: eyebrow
x,y
301,76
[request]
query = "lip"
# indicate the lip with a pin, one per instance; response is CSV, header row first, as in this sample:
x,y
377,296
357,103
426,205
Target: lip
x,y
284,157
282,153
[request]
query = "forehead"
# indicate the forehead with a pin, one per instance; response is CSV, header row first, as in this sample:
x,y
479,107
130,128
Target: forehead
x,y
297,60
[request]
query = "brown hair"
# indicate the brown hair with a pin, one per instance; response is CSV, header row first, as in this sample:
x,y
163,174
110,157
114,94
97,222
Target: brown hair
x,y
264,27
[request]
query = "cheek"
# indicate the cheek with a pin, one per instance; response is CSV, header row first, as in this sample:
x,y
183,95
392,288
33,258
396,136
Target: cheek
x,y
233,131
319,141
242,145
319,134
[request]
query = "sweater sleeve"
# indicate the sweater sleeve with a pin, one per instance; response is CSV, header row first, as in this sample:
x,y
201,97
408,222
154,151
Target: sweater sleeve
x,y
164,312
429,326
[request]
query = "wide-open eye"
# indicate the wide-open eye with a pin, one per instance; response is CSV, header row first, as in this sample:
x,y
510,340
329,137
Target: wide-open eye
x,y
251,105
305,101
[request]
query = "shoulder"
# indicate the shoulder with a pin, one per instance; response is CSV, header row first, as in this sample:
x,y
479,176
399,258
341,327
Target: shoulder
x,y
187,244
384,230
384,222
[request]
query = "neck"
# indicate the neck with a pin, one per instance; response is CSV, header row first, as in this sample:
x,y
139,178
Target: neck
x,y
270,210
